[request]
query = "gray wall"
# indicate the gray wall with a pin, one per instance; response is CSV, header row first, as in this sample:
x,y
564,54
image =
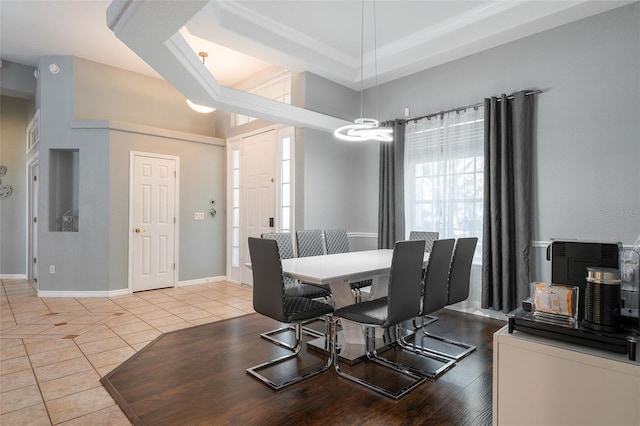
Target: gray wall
x,y
340,187
17,106
81,258
202,178
587,120
17,80
340,180
102,92
331,180
96,257
586,153
14,119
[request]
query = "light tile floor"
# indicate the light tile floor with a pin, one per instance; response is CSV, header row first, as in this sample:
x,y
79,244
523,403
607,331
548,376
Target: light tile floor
x,y
53,351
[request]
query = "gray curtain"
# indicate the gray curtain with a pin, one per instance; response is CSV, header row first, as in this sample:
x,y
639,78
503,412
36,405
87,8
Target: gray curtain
x,y
508,134
391,198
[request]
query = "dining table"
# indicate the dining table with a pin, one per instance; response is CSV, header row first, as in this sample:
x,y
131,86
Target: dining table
x,y
336,271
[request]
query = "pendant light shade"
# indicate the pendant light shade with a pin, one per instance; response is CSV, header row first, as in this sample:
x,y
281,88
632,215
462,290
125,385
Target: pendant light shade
x,y
366,129
201,108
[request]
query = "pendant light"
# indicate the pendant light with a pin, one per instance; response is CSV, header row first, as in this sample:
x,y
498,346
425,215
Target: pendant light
x,y
366,129
201,108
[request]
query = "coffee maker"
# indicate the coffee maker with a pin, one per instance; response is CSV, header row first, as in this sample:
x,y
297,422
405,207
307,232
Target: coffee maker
x,y
570,260
570,263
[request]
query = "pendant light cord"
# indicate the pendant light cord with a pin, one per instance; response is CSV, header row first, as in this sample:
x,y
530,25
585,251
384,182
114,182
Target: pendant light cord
x,y
366,129
361,55
375,60
375,56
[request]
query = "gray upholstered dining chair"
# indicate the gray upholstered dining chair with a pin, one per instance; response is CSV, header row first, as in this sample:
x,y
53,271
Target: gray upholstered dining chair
x,y
434,296
457,291
337,241
270,299
293,288
401,304
285,245
309,242
428,236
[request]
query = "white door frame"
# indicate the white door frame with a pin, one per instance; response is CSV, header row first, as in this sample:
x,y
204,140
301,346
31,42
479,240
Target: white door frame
x,y
282,132
132,156
234,273
33,164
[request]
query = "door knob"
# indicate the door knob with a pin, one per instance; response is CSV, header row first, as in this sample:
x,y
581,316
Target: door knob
x,y
138,230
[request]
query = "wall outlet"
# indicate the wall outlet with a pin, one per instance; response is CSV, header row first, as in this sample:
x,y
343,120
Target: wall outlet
x,y
199,216
52,269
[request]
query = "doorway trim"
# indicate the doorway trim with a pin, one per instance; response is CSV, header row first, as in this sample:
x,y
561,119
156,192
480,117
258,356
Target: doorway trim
x,y
132,155
33,164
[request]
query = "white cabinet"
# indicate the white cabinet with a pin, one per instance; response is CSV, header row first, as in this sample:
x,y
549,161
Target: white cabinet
x,y
540,381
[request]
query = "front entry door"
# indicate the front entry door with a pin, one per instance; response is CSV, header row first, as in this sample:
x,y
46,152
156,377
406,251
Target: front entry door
x,y
153,221
258,195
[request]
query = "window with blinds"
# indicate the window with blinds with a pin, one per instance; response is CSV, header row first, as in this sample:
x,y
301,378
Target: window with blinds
x,y
444,174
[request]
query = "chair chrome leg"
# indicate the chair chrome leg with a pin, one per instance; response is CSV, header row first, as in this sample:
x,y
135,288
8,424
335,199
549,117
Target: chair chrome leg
x,y
465,349
416,379
436,365
424,320
269,335
254,371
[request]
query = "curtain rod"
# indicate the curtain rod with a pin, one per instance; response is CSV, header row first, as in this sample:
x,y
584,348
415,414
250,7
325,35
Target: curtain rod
x,y
530,93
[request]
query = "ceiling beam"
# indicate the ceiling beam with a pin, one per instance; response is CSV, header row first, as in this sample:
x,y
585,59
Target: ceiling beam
x,y
151,30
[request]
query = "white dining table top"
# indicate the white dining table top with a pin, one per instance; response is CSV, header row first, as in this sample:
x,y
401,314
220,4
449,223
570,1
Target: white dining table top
x,y
331,268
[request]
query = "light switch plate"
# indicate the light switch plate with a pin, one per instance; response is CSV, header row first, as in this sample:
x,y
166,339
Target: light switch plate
x,y
199,216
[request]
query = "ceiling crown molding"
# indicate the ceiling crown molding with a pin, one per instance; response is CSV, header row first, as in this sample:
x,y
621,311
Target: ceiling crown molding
x,y
151,30
474,31
266,24
490,24
235,26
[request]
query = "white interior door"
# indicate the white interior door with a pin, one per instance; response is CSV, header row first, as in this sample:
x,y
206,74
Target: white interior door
x,y
153,221
258,191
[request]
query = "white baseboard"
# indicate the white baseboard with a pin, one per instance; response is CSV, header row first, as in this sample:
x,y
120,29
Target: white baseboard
x,y
200,281
74,293
120,292
13,276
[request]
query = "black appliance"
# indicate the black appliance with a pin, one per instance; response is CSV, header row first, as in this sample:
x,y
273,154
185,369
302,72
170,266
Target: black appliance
x,y
569,263
570,260
602,300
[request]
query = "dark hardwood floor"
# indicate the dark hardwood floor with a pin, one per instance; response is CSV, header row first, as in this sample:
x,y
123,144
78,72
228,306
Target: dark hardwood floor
x,y
197,376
